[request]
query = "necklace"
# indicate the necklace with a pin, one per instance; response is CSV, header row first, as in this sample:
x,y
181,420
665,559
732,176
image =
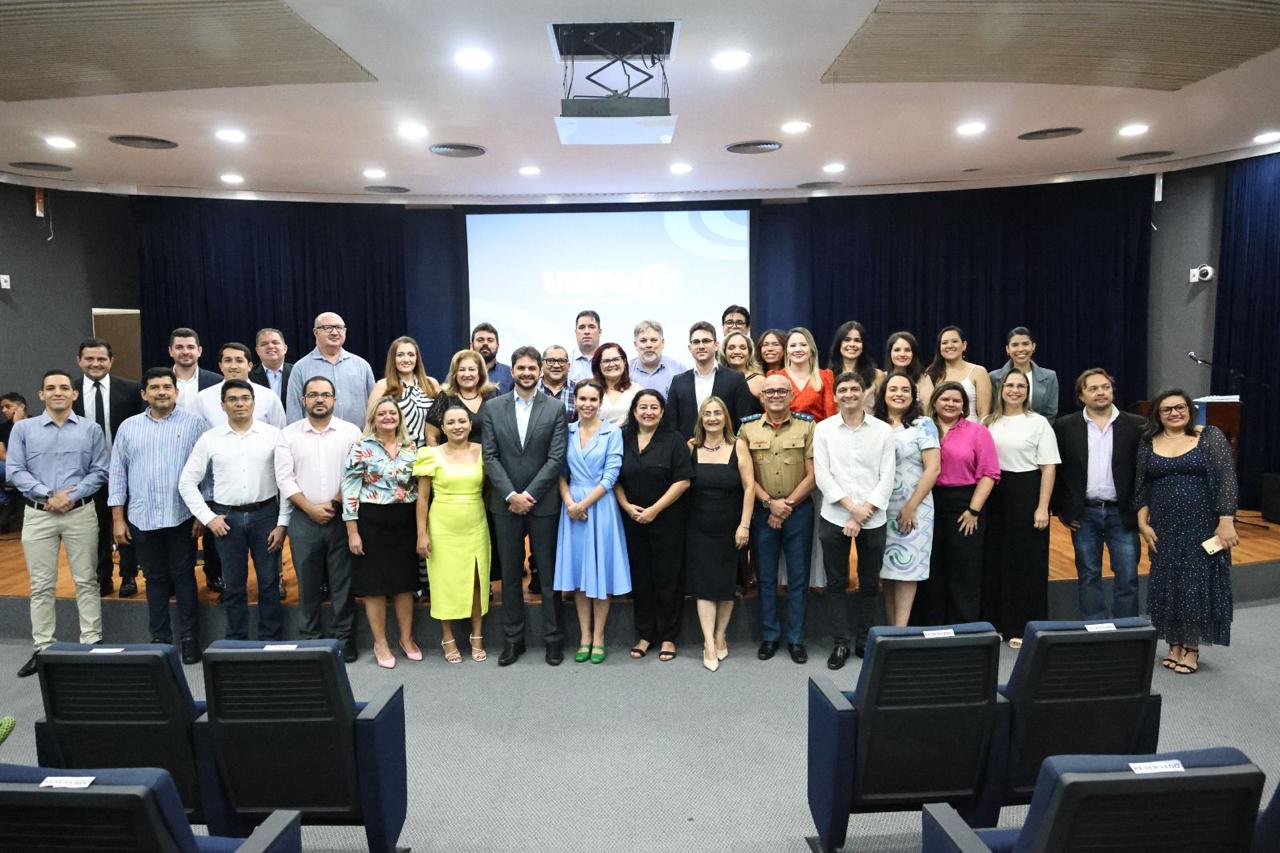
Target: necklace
x,y
711,449
462,396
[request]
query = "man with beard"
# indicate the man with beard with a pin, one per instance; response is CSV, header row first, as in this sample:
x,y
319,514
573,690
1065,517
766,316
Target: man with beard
x,y
484,340
555,378
650,368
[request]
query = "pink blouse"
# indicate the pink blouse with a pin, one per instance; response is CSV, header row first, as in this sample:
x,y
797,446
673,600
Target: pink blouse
x,y
968,455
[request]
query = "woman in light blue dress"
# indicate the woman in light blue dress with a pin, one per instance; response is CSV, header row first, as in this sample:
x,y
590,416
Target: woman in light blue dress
x,y
909,539
591,549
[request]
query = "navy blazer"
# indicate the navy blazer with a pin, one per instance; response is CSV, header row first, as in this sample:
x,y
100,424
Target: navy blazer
x,y
729,385
1073,474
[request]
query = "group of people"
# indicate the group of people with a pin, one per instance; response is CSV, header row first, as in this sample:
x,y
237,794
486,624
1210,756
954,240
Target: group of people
x,y
618,476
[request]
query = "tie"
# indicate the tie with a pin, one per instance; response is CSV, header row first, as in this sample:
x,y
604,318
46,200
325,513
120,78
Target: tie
x,y
99,408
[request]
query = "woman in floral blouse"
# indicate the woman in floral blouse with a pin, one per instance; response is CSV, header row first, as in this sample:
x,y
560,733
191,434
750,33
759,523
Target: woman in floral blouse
x,y
379,497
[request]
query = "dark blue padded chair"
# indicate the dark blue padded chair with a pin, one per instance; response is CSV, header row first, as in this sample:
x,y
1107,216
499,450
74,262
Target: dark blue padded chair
x,y
136,809
918,728
286,733
1099,803
1267,836
120,706
1075,691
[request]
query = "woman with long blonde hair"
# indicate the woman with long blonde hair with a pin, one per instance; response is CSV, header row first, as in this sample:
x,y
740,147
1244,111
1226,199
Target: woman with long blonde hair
x,y
406,381
467,383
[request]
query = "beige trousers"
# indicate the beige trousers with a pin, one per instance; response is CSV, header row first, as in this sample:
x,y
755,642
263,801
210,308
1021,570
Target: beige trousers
x,y
42,533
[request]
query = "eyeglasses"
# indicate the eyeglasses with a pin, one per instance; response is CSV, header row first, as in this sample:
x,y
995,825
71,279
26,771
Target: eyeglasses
x,y
735,324
701,341
555,361
776,392
1179,409
331,328
318,395
610,362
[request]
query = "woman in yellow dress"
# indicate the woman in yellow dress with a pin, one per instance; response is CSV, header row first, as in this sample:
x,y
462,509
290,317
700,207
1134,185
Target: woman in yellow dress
x,y
453,532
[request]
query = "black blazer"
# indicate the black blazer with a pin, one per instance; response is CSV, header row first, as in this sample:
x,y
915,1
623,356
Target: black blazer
x,y
534,468
126,400
729,385
1072,476
208,378
259,375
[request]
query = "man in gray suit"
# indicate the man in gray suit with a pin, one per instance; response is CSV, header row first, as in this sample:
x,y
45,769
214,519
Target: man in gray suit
x,y
524,434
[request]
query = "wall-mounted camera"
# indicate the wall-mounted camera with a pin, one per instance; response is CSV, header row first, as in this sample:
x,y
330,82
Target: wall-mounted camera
x,y
1202,273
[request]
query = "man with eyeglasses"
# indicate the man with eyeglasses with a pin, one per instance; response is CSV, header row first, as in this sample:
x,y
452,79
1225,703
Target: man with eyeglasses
x,y
349,373
736,318
1093,494
310,455
555,378
690,389
650,368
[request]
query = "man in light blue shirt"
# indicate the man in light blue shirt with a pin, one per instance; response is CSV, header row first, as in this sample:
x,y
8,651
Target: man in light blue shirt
x,y
484,340
58,460
350,374
586,330
147,458
650,368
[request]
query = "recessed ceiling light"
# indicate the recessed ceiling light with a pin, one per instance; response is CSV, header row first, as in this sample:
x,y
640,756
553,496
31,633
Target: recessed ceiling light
x,y
59,142
796,127
375,174
530,171
473,59
731,60
411,130
232,178
1267,138
681,168
1134,129
230,134
665,139
971,128
833,168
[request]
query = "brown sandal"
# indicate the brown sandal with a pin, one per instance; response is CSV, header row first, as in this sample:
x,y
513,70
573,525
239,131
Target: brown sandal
x,y
1171,660
1184,668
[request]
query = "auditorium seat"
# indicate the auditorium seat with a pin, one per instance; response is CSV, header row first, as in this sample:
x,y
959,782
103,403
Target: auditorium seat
x,y
136,809
1266,838
1077,688
121,706
286,733
1105,803
918,728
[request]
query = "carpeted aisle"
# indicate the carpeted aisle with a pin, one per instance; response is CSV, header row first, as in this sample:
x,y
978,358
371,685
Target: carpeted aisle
x,y
646,756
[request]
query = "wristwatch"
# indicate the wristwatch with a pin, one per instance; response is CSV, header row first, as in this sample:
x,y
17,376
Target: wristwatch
x,y
764,504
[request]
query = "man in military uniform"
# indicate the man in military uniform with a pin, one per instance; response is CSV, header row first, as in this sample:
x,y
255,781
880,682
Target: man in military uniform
x,y
781,445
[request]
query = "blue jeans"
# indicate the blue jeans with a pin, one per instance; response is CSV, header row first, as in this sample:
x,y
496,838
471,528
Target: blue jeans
x,y
248,535
1098,525
795,539
168,557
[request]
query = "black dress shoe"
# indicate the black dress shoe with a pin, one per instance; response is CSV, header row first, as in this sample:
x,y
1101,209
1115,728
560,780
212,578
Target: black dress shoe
x,y
859,651
511,653
128,588
535,584
28,668
798,654
839,655
106,588
555,654
350,653
767,649
215,585
190,650
324,590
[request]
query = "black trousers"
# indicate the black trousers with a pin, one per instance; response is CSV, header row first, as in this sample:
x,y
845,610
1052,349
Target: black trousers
x,y
106,565
168,558
656,554
212,562
952,593
510,531
320,554
866,601
1015,570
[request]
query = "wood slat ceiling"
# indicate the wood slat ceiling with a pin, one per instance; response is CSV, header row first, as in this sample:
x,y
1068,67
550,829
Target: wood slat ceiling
x,y
1143,44
73,48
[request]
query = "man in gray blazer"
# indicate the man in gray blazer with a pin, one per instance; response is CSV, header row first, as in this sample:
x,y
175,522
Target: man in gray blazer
x,y
524,434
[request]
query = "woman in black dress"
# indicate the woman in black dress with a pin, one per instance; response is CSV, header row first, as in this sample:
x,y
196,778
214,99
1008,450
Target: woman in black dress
x,y
1186,496
719,523
467,383
655,473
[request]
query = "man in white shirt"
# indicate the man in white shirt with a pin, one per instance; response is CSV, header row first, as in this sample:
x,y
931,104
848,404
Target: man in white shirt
x,y
235,361
247,514
310,456
853,463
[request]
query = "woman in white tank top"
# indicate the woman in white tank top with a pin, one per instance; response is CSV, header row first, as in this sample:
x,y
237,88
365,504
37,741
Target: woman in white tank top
x,y
949,366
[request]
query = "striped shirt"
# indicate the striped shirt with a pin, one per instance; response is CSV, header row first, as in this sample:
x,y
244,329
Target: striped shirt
x,y
352,379
146,462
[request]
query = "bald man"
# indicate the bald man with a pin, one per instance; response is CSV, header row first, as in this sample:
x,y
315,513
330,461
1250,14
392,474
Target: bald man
x,y
350,374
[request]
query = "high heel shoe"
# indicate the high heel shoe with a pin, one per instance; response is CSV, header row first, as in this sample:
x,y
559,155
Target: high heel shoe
x,y
712,664
479,655
598,654
454,656
389,662
583,654
416,654
722,652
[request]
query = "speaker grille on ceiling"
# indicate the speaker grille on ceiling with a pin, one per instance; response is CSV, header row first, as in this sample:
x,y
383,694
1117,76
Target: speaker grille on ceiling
x,y
33,166
818,185
386,189
1050,133
1145,155
129,140
457,149
753,146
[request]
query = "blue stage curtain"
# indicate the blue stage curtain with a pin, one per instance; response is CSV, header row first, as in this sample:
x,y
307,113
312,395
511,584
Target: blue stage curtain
x,y
1070,261
436,286
1246,359
228,268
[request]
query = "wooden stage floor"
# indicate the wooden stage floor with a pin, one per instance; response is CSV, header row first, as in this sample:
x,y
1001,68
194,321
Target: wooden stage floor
x,y
1259,543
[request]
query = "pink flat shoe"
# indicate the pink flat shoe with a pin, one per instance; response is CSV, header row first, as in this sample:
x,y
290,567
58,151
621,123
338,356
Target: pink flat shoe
x,y
416,654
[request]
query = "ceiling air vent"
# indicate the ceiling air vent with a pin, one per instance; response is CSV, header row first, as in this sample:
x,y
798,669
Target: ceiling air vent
x,y
1145,155
457,149
129,140
818,185
386,189
32,166
1050,133
753,146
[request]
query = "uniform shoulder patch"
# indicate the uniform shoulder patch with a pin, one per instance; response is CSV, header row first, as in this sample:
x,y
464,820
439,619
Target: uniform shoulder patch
x,y
801,416
749,418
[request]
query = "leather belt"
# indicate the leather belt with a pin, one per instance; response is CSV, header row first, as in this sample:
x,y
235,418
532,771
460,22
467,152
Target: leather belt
x,y
44,506
224,509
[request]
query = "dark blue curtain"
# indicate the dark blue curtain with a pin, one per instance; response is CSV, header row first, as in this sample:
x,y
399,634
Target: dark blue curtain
x,y
1246,360
1070,261
436,288
228,268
